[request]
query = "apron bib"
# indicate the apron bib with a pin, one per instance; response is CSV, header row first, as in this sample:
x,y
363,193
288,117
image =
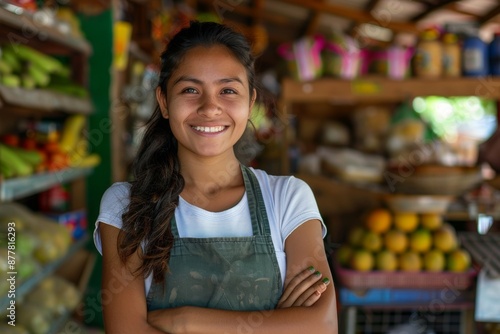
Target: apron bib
x,y
233,273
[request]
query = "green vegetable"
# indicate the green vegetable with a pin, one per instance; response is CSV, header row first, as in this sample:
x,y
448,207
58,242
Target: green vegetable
x,y
38,74
32,157
10,80
11,59
5,170
27,81
47,63
9,158
69,89
5,67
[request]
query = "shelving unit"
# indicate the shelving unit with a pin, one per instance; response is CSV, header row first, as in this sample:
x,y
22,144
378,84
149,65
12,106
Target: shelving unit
x,y
17,188
26,286
376,90
43,101
338,98
19,27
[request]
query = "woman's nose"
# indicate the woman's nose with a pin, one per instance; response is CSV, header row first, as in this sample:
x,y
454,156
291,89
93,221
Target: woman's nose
x,y
209,107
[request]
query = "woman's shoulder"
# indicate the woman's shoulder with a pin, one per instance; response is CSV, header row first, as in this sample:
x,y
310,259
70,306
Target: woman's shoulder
x,y
118,191
279,183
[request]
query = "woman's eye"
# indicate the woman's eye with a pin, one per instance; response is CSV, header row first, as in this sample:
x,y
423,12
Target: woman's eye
x,y
189,90
228,91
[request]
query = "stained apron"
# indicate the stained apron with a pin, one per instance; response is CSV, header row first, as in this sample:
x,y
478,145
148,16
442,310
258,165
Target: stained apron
x,y
229,273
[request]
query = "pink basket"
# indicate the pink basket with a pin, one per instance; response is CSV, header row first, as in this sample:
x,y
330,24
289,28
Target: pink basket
x,y
353,279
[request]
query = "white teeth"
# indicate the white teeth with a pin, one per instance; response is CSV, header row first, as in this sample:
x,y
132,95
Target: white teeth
x,y
208,129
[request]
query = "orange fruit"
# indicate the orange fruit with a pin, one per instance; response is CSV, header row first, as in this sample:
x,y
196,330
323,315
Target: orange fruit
x,y
420,240
406,221
396,241
410,261
445,238
458,260
372,241
362,260
378,220
386,261
355,236
431,221
343,255
434,260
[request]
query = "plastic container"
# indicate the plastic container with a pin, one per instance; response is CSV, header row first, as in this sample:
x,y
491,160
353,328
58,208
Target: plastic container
x,y
452,56
398,60
393,62
475,57
303,57
388,296
342,57
494,55
428,56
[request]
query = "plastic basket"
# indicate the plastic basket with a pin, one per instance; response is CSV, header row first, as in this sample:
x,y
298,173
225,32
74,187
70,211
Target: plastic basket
x,y
357,280
388,296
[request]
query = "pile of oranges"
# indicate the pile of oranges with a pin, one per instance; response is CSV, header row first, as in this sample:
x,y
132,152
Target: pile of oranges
x,y
404,241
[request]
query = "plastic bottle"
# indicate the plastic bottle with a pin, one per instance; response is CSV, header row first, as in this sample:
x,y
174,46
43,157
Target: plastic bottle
x,y
494,55
452,56
429,55
475,57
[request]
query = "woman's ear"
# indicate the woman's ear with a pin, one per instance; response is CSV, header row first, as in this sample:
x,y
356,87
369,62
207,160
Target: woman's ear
x,y
162,102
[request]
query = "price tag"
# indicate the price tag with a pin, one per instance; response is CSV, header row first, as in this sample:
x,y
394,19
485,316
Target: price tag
x,y
365,87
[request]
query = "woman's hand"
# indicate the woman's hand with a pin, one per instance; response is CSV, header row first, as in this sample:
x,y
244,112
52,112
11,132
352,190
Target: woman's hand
x,y
304,289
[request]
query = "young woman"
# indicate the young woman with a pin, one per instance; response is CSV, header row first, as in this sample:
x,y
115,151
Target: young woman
x,y
197,242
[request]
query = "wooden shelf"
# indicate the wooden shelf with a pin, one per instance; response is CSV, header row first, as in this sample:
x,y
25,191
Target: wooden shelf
x,y
43,100
379,89
20,26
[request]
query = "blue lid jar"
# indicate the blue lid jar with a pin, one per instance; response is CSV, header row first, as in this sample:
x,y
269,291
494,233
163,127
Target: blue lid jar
x,y
475,60
494,55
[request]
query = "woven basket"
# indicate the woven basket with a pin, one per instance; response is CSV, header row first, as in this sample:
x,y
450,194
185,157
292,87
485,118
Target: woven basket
x,y
435,180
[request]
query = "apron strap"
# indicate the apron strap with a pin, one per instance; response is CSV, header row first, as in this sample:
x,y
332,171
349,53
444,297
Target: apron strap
x,y
258,213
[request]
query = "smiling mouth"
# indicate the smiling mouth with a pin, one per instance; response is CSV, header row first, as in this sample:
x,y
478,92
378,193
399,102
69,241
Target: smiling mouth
x,y
209,129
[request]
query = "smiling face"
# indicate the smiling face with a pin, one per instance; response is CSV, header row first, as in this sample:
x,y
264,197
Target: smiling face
x,y
208,102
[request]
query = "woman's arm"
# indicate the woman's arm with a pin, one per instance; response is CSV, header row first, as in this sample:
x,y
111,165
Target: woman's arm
x,y
304,248
123,298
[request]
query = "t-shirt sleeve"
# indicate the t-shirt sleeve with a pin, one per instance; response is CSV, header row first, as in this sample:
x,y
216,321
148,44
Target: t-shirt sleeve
x,y
298,206
113,203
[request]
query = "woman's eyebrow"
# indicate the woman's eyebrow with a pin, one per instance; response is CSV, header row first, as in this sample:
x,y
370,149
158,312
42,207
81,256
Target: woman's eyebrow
x,y
184,78
187,78
231,79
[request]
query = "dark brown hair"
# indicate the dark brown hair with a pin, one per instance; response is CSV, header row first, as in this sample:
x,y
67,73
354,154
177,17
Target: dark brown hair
x,y
157,181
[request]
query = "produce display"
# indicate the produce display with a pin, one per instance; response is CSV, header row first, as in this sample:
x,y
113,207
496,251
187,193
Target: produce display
x,y
39,241
50,299
50,151
23,66
403,241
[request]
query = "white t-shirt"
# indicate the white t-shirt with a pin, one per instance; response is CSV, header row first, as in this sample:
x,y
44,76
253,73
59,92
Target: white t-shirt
x,y
289,203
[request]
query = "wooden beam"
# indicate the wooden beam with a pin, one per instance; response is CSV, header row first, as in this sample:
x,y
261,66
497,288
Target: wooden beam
x,y
490,15
311,24
258,11
431,9
371,5
456,8
245,11
354,14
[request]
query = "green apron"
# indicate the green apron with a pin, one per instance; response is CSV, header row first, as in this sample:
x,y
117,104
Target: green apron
x,y
231,273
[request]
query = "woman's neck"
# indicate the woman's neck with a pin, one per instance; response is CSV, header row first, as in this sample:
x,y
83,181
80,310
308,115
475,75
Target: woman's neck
x,y
214,184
